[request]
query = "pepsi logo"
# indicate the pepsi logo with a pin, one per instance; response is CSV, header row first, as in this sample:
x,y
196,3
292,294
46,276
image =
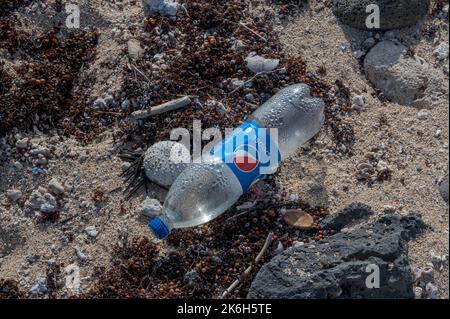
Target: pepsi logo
x,y
245,161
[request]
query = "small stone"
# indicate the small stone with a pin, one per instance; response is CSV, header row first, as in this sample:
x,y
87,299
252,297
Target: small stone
x,y
126,105
14,195
22,143
109,100
422,115
387,209
432,291
49,205
418,293
39,288
191,278
279,249
250,98
359,100
91,231
150,207
17,165
257,64
56,187
81,255
427,275
369,43
441,52
299,219
445,69
99,104
42,161
166,8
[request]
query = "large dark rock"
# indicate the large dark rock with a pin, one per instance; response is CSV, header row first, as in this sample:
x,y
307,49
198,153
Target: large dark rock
x,y
336,267
393,14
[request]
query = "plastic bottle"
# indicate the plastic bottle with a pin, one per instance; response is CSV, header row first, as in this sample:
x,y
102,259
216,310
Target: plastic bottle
x,y
205,190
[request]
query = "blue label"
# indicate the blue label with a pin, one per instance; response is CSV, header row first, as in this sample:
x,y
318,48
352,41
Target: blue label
x,y
250,152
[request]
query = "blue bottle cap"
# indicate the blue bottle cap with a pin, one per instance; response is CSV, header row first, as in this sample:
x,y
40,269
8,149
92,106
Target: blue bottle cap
x,y
159,228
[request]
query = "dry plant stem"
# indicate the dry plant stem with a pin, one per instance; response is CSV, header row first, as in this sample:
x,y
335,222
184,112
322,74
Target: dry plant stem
x,y
252,31
131,66
163,108
253,78
249,269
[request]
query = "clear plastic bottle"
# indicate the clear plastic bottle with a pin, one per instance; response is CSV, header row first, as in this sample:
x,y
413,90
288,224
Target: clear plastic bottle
x,y
205,190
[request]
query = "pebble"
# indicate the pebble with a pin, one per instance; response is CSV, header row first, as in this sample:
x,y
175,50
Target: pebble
x,y
358,102
99,104
18,165
150,207
39,288
441,52
22,143
422,115
81,255
14,195
279,249
432,291
56,187
109,100
126,105
418,293
91,231
298,219
387,209
369,43
250,98
167,8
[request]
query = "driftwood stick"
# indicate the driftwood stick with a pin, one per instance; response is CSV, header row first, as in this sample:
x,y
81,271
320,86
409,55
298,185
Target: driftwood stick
x,y
249,269
163,108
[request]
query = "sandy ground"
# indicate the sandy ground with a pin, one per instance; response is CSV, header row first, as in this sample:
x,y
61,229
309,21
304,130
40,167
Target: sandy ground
x,y
418,159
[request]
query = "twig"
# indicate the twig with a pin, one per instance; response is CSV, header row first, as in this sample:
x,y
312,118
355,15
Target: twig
x,y
253,31
253,78
249,269
163,108
131,66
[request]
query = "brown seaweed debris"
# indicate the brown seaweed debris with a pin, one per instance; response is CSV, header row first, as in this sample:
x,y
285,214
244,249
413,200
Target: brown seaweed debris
x,y
41,93
201,262
9,289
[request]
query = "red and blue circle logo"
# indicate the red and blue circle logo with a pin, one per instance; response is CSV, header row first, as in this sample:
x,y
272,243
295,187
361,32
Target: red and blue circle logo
x,y
245,161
